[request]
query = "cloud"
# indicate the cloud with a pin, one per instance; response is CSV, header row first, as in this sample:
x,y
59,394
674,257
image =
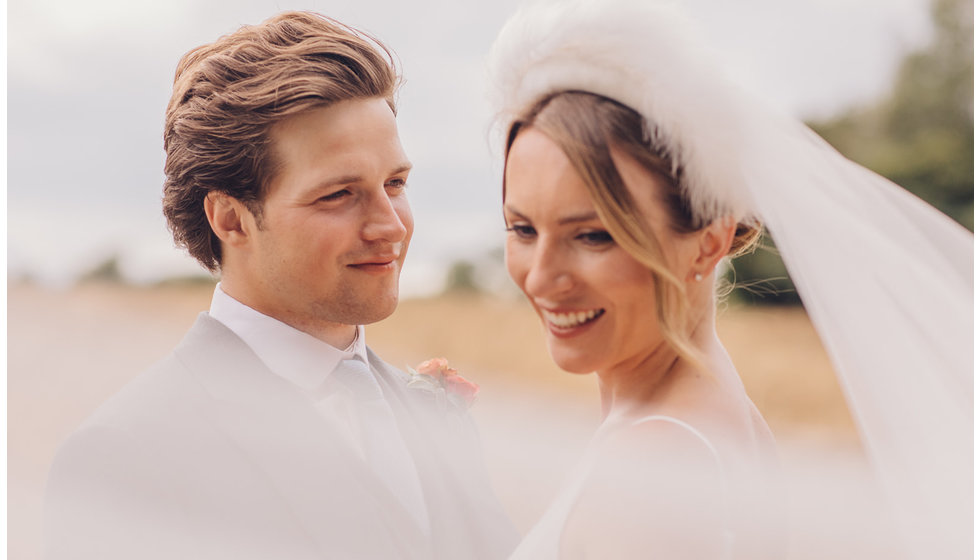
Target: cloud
x,y
88,83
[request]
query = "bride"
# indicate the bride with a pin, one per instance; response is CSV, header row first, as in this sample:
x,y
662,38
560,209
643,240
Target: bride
x,y
621,275
632,169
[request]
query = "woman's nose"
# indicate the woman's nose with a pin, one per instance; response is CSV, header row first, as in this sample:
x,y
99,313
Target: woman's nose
x,y
550,273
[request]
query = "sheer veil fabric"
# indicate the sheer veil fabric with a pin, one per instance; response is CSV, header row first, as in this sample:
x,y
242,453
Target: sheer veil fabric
x,y
886,279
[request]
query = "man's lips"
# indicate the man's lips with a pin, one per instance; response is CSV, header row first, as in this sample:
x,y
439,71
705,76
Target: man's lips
x,y
378,263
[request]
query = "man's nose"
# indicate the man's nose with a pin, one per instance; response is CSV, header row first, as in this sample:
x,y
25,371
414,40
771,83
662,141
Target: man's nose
x,y
383,223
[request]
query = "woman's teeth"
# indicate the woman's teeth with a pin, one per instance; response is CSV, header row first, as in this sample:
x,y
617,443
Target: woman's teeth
x,y
574,319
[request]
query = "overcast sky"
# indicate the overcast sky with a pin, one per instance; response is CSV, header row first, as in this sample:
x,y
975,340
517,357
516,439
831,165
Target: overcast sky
x,y
88,82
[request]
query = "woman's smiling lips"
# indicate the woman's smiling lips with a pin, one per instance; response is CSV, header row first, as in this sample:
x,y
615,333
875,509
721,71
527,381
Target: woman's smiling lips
x,y
570,323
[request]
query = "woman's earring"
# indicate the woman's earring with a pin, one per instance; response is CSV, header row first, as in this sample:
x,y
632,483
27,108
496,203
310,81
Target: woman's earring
x,y
698,277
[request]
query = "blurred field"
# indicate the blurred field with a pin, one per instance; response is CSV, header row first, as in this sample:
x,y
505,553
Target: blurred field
x,y
69,350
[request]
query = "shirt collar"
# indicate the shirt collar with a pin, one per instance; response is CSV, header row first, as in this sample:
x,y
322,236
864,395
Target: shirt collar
x,y
290,353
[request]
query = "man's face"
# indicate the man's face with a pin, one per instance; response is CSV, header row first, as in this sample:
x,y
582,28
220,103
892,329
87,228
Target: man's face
x,y
335,224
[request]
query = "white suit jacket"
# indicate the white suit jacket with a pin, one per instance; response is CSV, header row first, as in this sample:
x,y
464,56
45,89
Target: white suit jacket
x,y
210,455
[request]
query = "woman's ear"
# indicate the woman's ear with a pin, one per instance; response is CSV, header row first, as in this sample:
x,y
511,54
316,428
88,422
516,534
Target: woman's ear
x,y
229,218
714,242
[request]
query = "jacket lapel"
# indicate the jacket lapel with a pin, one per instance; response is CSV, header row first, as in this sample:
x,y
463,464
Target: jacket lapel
x,y
335,496
465,515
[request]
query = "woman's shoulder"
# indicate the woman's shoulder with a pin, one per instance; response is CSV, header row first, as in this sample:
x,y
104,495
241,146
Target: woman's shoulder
x,y
665,431
712,409
655,441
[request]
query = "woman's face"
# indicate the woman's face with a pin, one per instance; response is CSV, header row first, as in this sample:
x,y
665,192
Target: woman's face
x,y
596,301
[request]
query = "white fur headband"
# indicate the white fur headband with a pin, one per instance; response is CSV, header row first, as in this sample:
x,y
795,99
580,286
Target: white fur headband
x,y
642,54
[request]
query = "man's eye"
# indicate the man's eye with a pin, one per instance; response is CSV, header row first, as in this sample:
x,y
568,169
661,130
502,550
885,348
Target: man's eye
x,y
335,195
396,184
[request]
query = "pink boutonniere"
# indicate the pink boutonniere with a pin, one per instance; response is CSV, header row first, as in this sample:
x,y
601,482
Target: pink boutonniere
x,y
436,376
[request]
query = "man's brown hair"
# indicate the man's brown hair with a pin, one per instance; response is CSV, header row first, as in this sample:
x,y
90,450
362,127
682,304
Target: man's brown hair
x,y
228,95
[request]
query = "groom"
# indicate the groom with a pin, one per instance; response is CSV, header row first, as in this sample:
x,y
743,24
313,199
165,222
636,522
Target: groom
x,y
272,430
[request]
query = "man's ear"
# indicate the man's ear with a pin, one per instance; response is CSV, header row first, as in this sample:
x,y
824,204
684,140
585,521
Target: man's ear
x,y
229,218
714,242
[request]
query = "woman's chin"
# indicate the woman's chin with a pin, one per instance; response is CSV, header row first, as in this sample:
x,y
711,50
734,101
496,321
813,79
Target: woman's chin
x,y
574,364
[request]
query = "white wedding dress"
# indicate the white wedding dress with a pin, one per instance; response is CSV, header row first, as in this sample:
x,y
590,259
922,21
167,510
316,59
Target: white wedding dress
x,y
742,534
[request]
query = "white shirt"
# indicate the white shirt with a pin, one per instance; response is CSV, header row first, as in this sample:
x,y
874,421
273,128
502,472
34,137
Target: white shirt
x,y
308,362
297,357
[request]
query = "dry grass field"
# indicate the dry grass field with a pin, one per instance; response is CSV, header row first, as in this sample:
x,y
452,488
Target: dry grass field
x,y
69,350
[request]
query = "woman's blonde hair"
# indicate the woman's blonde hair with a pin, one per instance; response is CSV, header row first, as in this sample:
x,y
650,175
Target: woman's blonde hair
x,y
587,127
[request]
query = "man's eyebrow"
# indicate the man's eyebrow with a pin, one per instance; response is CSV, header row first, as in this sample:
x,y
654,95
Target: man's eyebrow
x,y
403,168
339,180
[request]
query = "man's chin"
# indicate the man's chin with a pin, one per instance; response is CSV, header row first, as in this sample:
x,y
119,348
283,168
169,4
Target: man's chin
x,y
379,316
375,309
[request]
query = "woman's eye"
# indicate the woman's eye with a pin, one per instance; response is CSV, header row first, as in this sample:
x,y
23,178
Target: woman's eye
x,y
598,237
522,231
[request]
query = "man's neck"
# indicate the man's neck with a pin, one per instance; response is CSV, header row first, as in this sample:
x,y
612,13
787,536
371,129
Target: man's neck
x,y
338,335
